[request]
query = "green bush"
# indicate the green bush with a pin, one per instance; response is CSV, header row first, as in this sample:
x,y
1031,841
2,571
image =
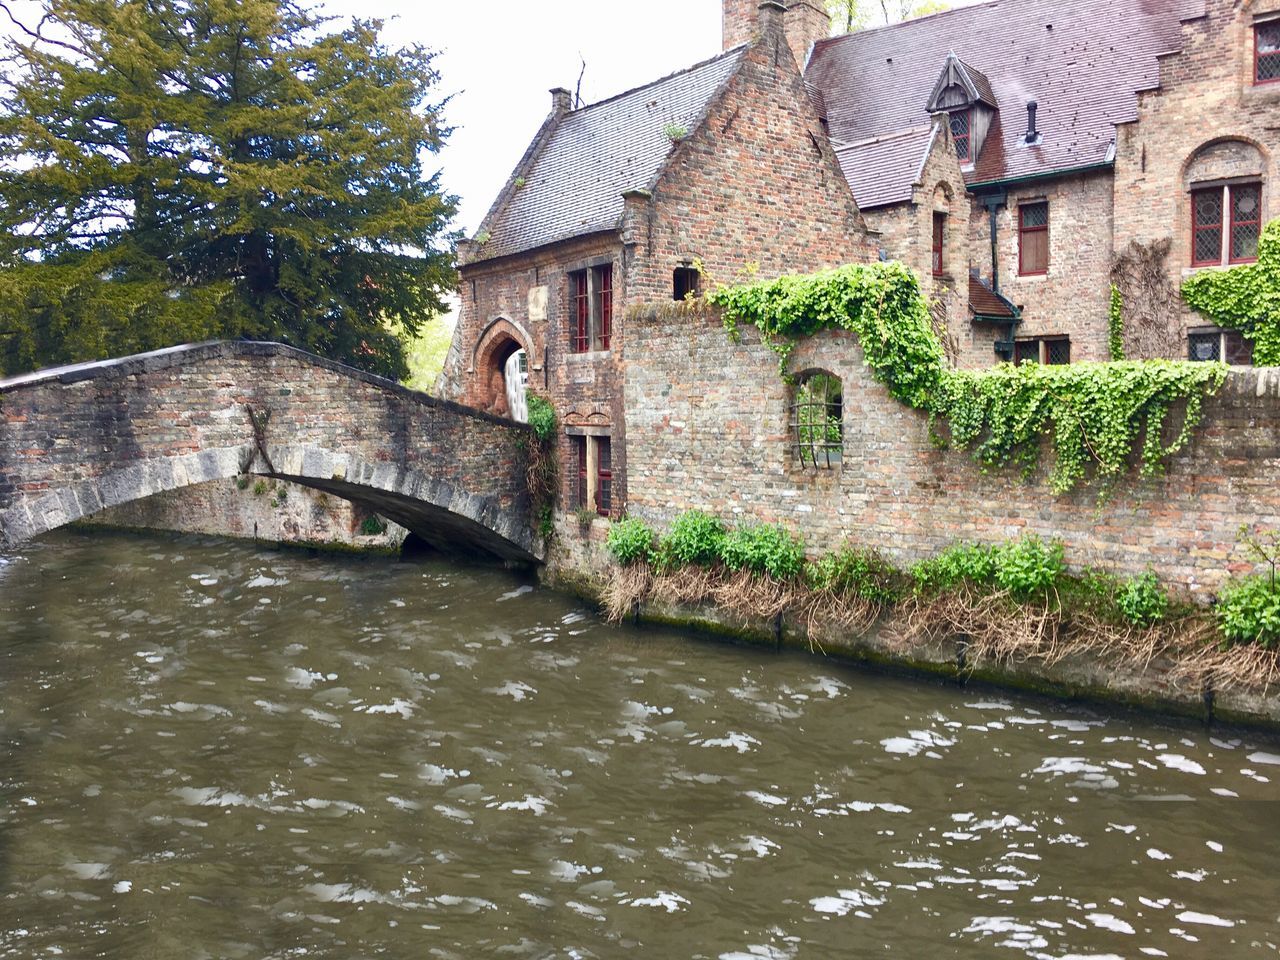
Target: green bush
x,y
542,416
1025,567
630,541
373,526
764,549
1029,566
696,539
1249,611
865,573
1142,600
965,562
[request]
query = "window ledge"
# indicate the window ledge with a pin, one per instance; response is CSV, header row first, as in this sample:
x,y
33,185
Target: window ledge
x,y
1214,267
589,356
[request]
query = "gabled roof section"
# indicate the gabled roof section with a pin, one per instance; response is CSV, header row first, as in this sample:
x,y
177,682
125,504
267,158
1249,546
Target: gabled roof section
x,y
572,184
986,304
955,72
884,170
1083,61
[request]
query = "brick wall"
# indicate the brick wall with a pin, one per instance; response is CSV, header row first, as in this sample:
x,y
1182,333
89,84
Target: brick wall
x,y
709,430
708,206
101,435
272,511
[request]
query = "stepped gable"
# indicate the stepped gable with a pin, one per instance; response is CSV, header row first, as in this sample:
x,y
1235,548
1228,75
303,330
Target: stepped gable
x,y
1082,61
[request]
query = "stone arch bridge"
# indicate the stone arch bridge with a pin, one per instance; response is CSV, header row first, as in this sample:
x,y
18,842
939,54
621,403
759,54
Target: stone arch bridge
x,y
76,440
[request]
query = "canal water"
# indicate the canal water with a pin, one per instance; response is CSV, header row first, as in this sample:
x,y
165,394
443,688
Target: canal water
x,y
213,750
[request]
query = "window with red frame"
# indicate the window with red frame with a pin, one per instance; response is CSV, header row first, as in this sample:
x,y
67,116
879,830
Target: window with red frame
x,y
939,244
580,455
1226,223
603,325
580,307
1033,239
591,309
961,132
604,476
1266,52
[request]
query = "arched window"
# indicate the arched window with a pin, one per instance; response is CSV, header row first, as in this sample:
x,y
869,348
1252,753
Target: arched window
x,y
817,420
1225,183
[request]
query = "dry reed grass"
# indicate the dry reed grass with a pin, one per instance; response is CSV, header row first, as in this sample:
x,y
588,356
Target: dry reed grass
x,y
993,627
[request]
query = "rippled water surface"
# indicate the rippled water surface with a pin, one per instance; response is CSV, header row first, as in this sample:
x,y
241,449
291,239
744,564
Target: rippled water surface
x,y
213,750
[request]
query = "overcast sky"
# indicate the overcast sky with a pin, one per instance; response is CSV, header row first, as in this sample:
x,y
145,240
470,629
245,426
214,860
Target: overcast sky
x,y
500,58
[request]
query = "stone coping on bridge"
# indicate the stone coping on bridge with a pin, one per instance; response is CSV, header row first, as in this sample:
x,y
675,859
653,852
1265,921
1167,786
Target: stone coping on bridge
x,y
178,356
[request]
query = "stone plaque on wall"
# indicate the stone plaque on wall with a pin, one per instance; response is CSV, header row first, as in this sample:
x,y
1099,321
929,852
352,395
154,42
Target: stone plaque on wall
x,y
537,304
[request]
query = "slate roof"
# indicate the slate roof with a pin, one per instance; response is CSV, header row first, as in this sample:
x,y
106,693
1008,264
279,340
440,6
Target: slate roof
x,y
883,170
573,186
986,303
1083,61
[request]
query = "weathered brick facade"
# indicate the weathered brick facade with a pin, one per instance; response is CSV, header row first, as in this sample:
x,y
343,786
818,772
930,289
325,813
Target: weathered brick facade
x,y
753,187
1205,122
705,206
76,441
715,436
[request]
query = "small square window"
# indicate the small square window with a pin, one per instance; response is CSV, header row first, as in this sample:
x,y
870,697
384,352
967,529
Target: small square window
x,y
1266,52
686,283
1052,351
1229,346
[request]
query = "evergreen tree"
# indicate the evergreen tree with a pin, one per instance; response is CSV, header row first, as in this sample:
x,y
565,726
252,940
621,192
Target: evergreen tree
x,y
178,170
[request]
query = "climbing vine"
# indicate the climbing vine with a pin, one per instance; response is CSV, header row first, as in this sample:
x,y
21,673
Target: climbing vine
x,y
1115,324
1245,298
542,474
1097,415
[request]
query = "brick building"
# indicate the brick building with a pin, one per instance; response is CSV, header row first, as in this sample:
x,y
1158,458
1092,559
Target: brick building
x,y
720,170
1019,155
1075,129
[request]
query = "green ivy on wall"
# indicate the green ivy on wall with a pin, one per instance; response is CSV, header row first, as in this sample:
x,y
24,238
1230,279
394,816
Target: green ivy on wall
x,y
1115,324
1245,298
1096,414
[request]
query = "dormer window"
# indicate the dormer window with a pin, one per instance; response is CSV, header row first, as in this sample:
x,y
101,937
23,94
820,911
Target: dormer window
x,y
961,133
964,93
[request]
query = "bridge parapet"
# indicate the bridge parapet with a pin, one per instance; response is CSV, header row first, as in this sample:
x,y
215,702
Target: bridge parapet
x,y
75,440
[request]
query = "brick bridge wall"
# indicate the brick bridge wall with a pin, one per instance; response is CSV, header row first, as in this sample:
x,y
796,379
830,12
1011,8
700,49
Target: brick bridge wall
x,y
708,429
77,440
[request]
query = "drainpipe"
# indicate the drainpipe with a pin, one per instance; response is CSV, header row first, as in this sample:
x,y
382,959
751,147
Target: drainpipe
x,y
994,201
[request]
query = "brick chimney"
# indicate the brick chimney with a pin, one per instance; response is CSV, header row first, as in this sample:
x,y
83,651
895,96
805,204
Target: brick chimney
x,y
805,22
738,23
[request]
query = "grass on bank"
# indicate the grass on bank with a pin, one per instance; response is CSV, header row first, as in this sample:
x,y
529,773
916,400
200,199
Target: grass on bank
x,y
1005,603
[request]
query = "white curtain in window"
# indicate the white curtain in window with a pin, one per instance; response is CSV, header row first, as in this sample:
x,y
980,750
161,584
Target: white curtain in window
x,y
516,375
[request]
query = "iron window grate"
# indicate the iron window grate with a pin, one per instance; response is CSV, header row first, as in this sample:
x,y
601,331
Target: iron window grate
x,y
817,422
